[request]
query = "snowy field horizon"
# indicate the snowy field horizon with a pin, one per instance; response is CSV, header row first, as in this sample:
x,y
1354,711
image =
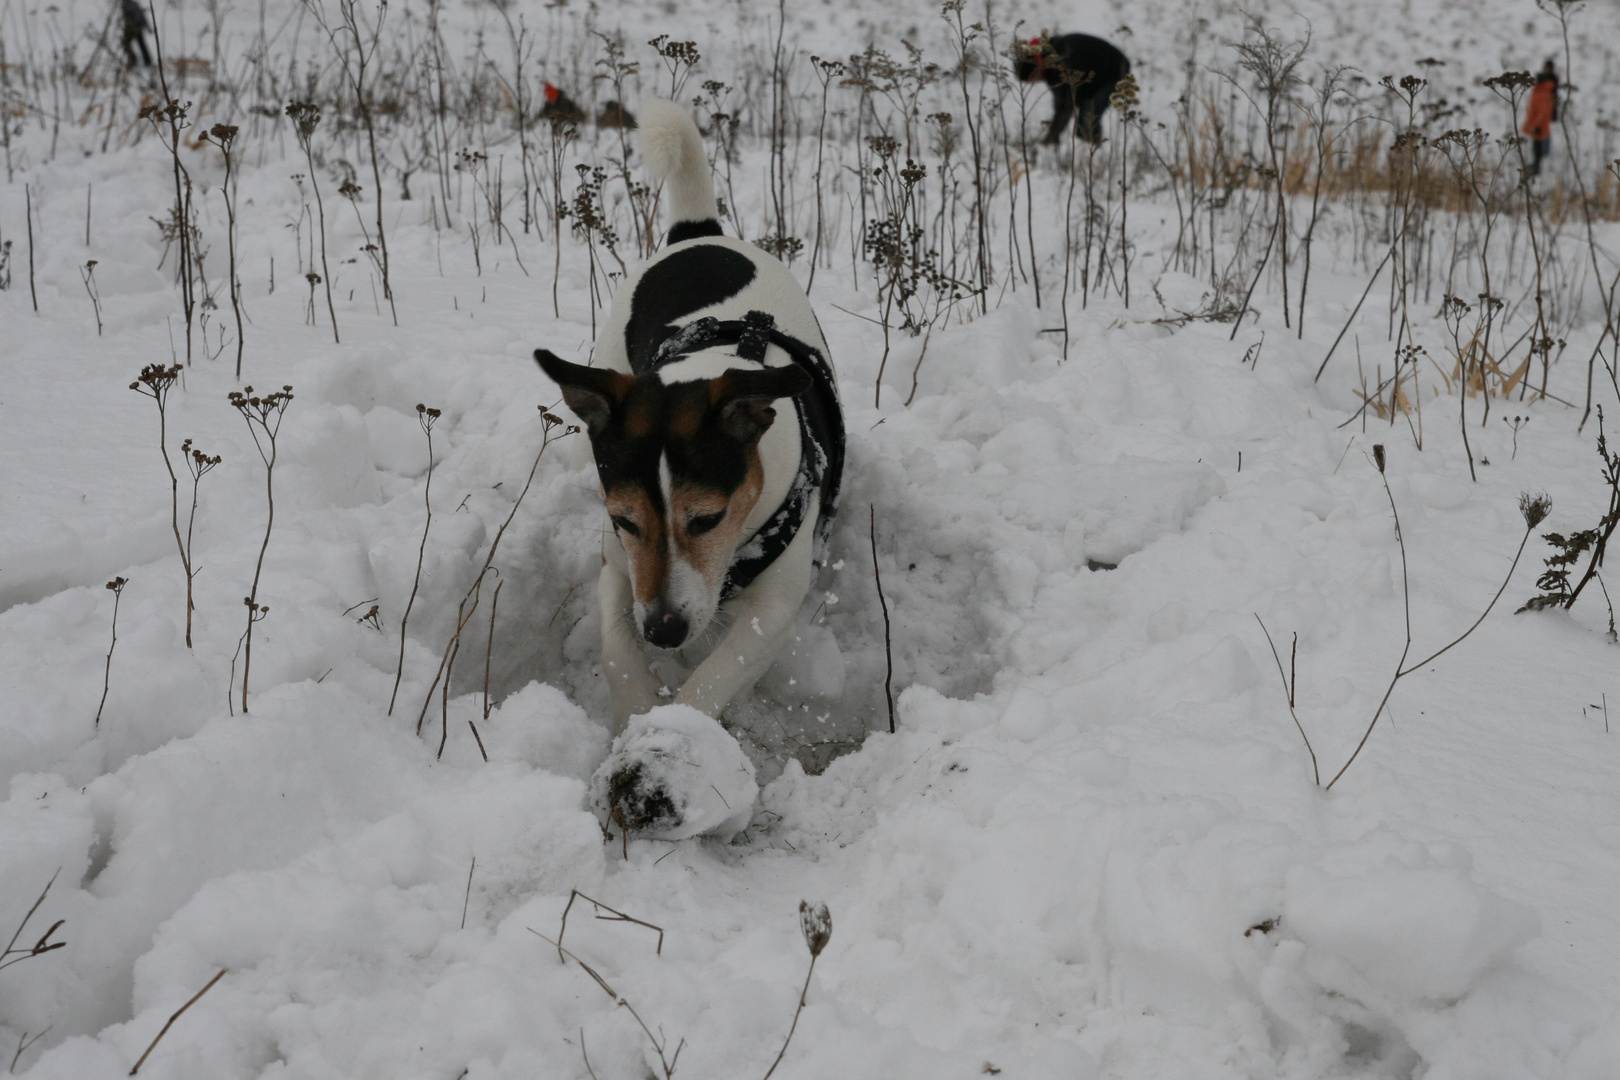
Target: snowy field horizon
x,y
1209,673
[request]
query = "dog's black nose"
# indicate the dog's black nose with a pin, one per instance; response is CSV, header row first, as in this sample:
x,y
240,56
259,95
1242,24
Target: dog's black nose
x,y
664,629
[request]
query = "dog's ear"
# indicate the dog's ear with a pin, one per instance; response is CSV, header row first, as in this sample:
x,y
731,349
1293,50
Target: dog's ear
x,y
593,393
743,398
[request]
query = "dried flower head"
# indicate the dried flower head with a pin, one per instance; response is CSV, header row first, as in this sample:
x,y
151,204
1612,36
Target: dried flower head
x,y
261,410
117,584
1126,96
1511,81
1378,456
155,380
1534,508
815,921
197,463
305,116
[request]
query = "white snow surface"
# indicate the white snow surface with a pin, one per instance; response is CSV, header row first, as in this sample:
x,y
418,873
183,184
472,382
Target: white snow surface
x,y
1092,846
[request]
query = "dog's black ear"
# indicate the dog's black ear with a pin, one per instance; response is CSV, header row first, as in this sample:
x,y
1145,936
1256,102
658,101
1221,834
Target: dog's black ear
x,y
593,393
743,398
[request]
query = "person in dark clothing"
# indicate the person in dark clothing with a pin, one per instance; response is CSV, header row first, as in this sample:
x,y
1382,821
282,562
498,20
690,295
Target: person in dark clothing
x,y
1082,71
1541,114
559,107
135,26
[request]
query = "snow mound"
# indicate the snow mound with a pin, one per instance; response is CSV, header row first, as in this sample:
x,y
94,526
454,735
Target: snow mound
x,y
1411,926
1131,503
675,773
542,729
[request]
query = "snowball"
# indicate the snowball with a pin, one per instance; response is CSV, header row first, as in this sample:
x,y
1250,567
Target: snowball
x,y
676,773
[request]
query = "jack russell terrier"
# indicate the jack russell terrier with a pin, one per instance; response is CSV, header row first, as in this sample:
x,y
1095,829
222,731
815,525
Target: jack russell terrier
x,y
719,443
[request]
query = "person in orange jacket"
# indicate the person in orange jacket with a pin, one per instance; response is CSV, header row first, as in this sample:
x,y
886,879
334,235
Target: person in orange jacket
x,y
1541,114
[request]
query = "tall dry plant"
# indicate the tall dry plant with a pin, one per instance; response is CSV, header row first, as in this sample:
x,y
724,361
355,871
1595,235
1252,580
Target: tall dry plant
x,y
306,117
156,381
263,416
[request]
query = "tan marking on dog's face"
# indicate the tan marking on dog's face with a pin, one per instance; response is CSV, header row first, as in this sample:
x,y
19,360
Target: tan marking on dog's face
x,y
678,557
685,421
681,474
640,420
708,550
642,532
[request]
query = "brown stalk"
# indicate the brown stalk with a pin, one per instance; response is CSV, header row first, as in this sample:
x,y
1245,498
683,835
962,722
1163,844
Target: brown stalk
x,y
888,644
469,602
616,916
24,1043
263,417
43,945
116,585
815,922
305,117
155,381
177,1013
489,652
28,216
1401,668
224,136
1290,684
667,1063
426,417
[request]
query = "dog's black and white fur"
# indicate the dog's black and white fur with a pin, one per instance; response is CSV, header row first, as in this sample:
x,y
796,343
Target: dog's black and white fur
x,y
718,440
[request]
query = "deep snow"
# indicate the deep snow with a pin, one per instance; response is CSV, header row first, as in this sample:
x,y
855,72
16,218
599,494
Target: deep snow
x,y
1059,864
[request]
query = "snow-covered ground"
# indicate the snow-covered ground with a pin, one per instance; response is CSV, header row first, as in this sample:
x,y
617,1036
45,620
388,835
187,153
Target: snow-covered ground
x,y
1093,846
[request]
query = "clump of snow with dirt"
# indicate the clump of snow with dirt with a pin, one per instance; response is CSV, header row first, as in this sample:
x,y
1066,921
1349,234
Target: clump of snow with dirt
x,y
1093,845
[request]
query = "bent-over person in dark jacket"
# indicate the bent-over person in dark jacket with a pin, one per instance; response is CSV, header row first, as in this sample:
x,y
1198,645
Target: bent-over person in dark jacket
x,y
1082,71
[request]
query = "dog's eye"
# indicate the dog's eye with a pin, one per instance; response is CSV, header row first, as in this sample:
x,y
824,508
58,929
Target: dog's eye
x,y
624,524
700,525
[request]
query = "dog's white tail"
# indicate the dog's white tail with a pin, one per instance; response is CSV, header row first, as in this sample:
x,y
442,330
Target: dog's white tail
x,y
673,152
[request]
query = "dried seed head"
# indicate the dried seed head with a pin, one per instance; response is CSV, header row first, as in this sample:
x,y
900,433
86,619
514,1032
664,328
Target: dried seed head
x,y
117,584
1125,97
815,921
1378,456
1534,508
305,117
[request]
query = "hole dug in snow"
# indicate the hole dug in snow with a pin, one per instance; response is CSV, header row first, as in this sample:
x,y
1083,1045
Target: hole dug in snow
x,y
1382,1051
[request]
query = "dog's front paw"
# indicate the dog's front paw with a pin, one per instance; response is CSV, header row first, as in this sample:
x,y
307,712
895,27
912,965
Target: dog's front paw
x,y
676,773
